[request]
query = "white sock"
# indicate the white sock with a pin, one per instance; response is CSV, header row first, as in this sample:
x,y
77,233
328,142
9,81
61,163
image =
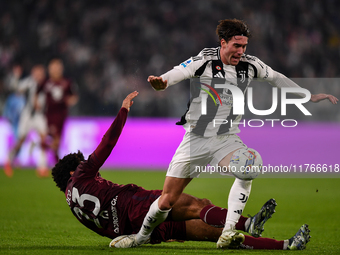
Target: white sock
x,y
285,244
153,218
247,223
238,197
42,162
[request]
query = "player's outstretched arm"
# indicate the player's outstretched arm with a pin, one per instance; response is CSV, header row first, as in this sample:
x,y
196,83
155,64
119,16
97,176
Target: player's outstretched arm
x,y
157,82
319,97
111,136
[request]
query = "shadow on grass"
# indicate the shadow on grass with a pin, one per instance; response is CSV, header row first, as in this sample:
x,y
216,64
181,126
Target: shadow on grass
x,y
145,249
103,247
52,247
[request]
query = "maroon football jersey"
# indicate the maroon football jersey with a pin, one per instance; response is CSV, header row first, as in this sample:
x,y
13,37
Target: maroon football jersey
x,y
97,203
56,93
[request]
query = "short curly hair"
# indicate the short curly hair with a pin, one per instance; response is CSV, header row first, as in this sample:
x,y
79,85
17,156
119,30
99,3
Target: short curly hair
x,y
61,171
228,28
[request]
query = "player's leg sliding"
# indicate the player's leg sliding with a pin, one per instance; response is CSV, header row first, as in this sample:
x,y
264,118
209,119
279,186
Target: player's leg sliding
x,y
215,216
197,230
256,222
238,197
300,239
297,242
153,218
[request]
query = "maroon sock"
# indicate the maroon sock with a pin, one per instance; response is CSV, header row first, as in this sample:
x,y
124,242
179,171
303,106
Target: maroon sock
x,y
261,243
215,216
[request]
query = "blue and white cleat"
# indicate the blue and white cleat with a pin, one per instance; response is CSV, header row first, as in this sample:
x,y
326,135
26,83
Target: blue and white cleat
x,y
300,239
257,221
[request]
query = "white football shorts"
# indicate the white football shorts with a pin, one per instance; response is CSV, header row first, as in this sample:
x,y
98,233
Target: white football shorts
x,y
27,123
198,151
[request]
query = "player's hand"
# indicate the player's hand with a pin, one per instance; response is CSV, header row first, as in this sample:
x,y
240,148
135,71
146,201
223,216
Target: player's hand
x,y
157,83
127,103
71,100
319,97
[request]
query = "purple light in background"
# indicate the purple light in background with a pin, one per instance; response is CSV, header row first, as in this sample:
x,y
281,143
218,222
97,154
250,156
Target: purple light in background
x,y
150,143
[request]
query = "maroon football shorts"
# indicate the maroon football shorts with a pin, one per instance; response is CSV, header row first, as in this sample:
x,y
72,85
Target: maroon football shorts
x,y
56,123
167,230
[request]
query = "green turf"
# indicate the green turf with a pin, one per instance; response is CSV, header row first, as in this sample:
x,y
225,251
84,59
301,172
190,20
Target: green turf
x,y
35,219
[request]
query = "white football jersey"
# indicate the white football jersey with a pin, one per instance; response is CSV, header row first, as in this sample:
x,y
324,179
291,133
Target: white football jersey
x,y
29,87
209,70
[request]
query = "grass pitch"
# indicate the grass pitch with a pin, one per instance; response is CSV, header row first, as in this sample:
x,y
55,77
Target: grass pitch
x,y
35,218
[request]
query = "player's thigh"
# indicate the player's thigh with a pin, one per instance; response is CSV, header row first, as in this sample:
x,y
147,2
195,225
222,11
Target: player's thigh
x,y
24,124
188,207
226,160
191,153
224,147
197,230
40,124
169,230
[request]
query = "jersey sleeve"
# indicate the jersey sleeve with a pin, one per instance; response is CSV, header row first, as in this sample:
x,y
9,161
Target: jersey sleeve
x,y
185,70
261,71
24,85
103,151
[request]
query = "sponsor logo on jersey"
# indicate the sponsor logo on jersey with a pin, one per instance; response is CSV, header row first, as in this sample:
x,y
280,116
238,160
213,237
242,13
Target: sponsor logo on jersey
x,y
115,219
186,63
218,68
69,197
218,75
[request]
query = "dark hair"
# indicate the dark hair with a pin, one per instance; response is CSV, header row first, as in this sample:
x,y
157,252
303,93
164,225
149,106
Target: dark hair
x,y
61,171
228,28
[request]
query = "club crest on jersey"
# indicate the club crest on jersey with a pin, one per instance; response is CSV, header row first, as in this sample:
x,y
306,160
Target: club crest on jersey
x,y
218,68
242,73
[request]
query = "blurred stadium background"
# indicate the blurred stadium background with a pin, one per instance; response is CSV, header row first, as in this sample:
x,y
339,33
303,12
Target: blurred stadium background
x,y
110,47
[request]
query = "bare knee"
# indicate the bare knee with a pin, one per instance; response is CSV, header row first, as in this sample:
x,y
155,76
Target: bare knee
x,y
205,202
197,207
201,203
167,201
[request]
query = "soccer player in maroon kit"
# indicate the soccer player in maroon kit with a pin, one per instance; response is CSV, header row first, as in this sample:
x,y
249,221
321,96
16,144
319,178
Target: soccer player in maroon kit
x,y
59,97
113,210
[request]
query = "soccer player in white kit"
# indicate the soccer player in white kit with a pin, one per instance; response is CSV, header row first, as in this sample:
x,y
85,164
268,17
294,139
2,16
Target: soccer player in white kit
x,y
32,118
206,142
